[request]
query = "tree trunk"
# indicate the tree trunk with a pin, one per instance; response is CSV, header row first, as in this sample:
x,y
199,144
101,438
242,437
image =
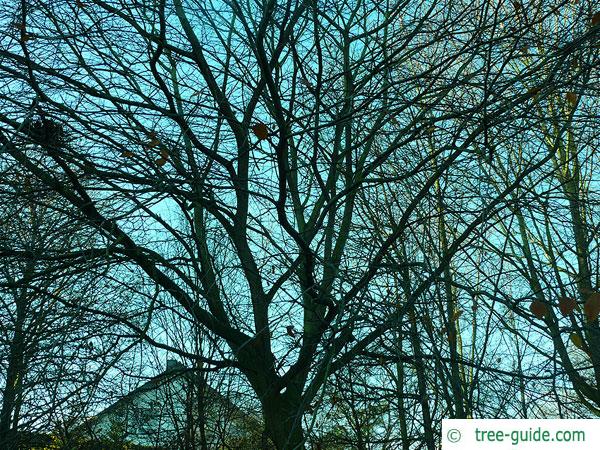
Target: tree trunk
x,y
282,414
14,381
422,383
10,396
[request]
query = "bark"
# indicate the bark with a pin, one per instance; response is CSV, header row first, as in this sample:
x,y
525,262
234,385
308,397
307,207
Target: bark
x,y
422,383
456,381
11,394
282,414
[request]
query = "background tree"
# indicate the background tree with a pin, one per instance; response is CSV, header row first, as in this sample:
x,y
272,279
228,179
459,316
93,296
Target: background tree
x,y
52,354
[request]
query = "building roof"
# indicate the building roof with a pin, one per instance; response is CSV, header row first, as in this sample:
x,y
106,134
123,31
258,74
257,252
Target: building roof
x,y
175,370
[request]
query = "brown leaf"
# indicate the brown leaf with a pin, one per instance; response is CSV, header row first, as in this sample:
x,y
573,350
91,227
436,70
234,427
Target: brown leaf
x,y
160,162
164,153
127,154
539,309
534,90
572,98
566,305
591,309
153,143
261,131
596,19
577,341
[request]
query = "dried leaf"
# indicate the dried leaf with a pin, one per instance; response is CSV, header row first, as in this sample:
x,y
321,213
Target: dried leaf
x,y
261,131
153,143
160,162
534,91
591,309
127,154
572,98
539,309
596,19
566,305
164,153
577,341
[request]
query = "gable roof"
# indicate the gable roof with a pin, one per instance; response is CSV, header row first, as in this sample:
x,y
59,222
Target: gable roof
x,y
174,371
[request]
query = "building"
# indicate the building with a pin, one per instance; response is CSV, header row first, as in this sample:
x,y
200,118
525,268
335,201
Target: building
x,y
175,410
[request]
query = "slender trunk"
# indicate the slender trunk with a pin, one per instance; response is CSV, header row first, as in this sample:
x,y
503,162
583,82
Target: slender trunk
x,y
422,383
402,418
202,418
415,342
452,328
198,420
576,196
15,371
400,395
14,382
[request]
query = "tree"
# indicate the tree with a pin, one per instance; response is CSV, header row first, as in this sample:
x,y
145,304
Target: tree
x,y
548,235
230,151
50,353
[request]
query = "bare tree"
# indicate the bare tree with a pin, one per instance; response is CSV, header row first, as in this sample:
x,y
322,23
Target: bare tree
x,y
230,151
